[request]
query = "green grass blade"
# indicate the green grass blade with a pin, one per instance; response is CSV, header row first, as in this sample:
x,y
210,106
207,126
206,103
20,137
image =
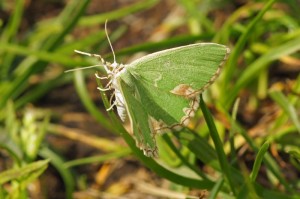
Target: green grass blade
x,y
194,15
165,44
98,159
232,61
116,14
168,152
216,189
33,65
232,130
65,174
184,159
8,35
40,55
259,65
83,43
268,160
68,19
218,145
87,102
223,35
258,160
287,107
30,172
37,91
200,147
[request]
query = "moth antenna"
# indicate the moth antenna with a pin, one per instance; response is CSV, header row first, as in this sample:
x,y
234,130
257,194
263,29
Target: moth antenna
x,y
87,54
75,69
113,52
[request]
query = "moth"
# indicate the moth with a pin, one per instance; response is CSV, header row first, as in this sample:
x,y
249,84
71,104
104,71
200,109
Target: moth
x,y
161,91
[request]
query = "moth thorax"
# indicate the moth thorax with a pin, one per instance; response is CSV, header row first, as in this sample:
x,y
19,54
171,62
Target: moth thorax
x,y
114,65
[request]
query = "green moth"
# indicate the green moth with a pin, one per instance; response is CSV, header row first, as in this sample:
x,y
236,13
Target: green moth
x,y
161,91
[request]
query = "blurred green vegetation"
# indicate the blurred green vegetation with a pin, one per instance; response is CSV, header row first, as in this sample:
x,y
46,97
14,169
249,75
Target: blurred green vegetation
x,y
255,101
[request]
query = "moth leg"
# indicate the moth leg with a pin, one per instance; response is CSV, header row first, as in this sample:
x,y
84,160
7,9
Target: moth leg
x,y
111,98
110,102
112,106
103,89
99,77
117,101
107,87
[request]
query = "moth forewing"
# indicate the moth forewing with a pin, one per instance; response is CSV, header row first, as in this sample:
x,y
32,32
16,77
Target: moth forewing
x,y
143,132
196,65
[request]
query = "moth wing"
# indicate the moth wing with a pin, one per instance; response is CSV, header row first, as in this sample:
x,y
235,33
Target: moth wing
x,y
166,109
140,120
195,65
168,82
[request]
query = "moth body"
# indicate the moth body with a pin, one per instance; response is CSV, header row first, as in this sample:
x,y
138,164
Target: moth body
x,y
117,70
120,104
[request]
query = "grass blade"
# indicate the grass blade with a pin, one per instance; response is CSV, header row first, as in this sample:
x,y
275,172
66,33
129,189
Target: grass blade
x,y
258,160
218,145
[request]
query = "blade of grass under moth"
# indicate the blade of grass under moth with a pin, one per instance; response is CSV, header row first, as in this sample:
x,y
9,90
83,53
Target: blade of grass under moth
x,y
218,145
183,159
168,151
200,147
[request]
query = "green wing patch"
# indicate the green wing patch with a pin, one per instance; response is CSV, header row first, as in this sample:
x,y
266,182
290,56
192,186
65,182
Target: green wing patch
x,y
165,107
196,65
